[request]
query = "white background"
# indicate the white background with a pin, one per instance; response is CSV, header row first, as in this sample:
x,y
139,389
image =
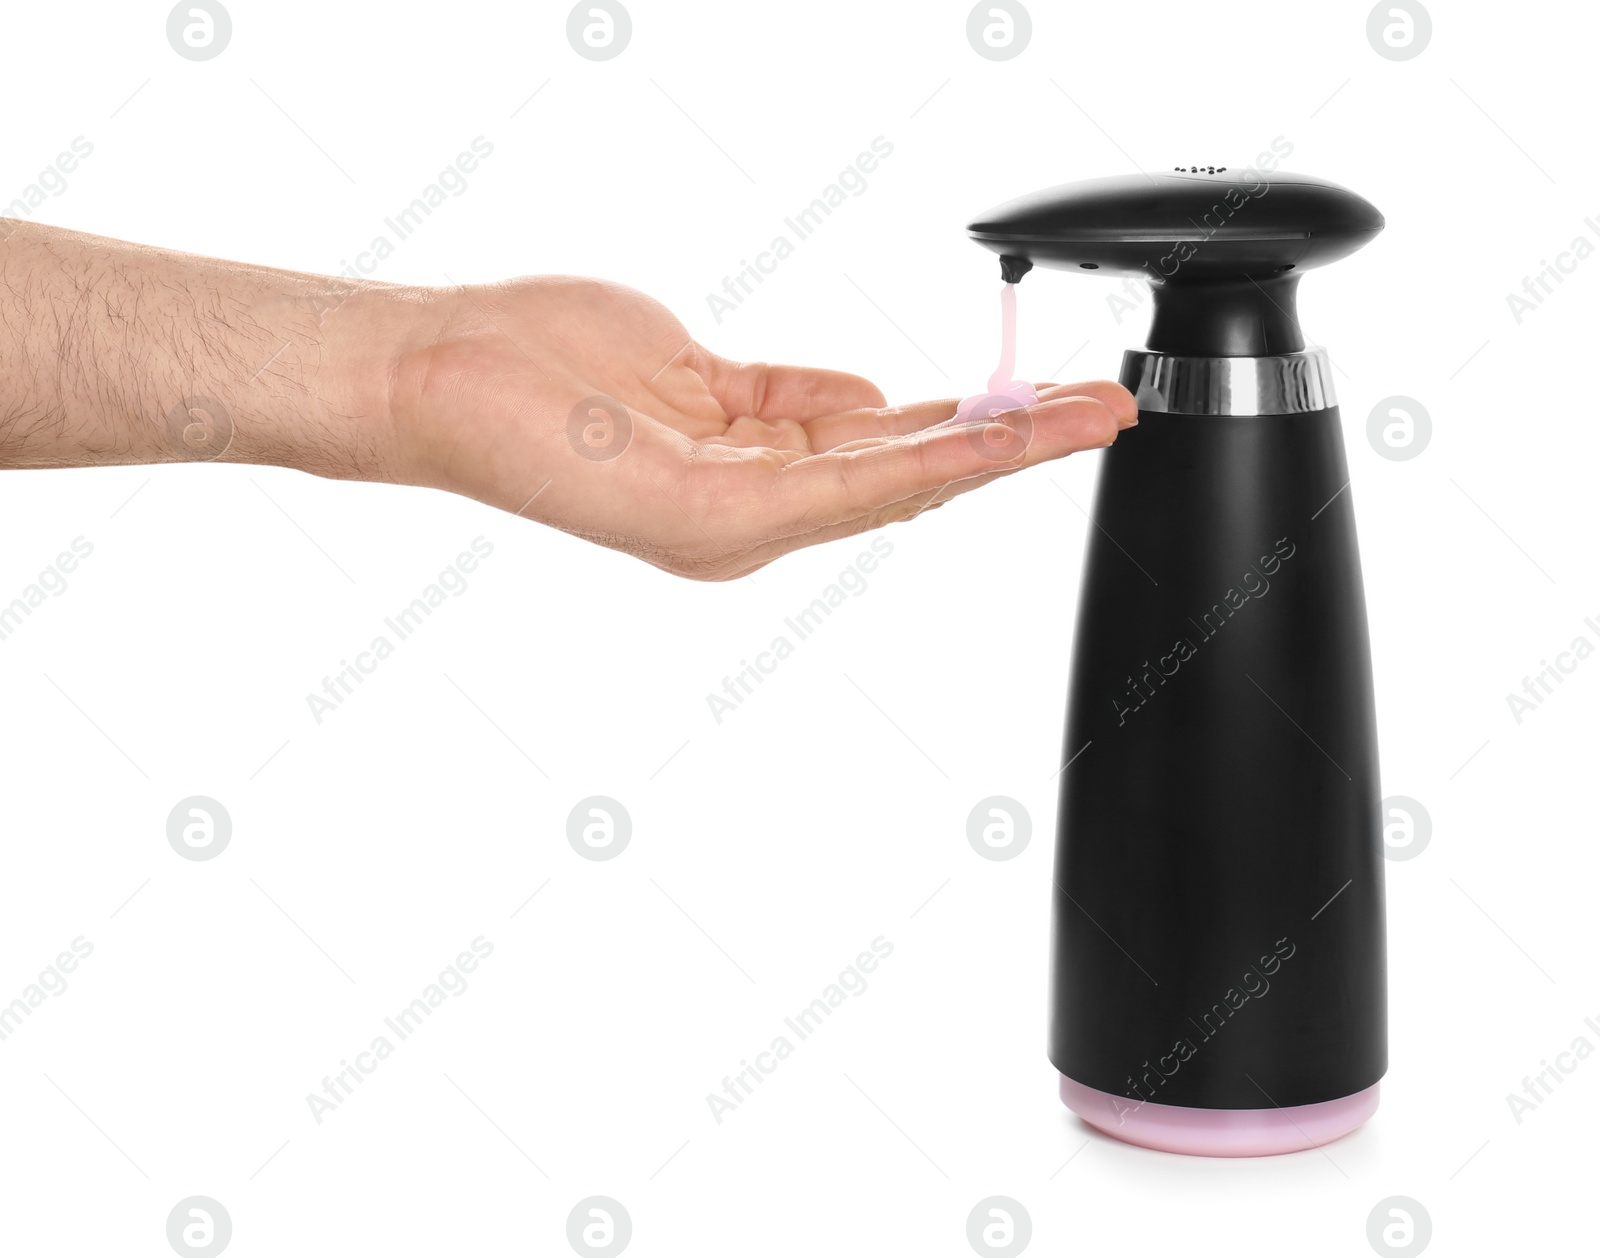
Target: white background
x,y
769,850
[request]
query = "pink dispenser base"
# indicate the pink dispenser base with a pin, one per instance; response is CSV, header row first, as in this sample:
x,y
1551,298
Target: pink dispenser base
x,y
1219,1133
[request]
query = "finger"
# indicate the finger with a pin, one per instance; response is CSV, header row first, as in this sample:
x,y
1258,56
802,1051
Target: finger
x,y
758,557
832,431
1113,396
770,391
783,537
775,434
866,423
842,485
902,512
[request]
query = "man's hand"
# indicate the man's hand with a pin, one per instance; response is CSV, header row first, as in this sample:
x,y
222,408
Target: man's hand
x,y
575,402
587,405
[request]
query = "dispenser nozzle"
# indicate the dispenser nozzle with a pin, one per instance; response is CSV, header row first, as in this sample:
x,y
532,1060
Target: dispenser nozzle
x,y
1013,268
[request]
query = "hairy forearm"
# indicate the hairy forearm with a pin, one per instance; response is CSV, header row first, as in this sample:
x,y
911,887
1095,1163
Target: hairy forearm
x,y
119,353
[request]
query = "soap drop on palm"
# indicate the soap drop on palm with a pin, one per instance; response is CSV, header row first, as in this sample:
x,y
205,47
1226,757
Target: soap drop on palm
x,y
1004,394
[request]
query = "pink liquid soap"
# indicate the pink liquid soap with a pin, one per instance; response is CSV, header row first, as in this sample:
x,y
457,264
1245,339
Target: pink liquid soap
x,y
1005,394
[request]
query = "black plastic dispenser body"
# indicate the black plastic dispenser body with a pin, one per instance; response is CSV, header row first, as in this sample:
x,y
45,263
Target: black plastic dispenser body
x,y
1218,973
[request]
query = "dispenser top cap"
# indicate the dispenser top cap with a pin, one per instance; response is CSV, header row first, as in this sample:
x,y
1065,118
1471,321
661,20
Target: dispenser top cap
x,y
1223,248
1198,224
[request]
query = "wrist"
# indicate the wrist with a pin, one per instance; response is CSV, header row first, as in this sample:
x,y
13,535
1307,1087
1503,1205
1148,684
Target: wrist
x,y
308,379
444,376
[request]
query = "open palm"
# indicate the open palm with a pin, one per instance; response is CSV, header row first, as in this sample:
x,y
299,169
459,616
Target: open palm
x,y
587,405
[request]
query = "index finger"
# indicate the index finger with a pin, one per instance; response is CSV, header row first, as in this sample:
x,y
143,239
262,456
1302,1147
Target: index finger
x,y
830,431
844,484
772,391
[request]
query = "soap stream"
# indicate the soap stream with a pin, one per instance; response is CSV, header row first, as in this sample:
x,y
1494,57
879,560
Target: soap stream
x,y
1008,339
1004,394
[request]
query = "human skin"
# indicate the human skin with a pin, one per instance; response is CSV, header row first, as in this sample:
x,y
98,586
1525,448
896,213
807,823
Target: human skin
x,y
575,402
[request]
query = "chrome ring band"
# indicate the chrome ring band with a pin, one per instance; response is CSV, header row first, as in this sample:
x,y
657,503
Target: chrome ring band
x,y
1282,384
